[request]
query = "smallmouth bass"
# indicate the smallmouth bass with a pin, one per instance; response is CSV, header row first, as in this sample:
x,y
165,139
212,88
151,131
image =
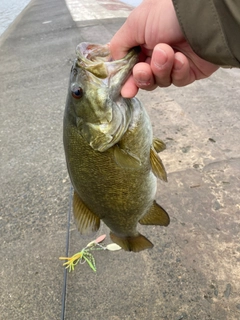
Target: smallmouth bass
x,y
111,155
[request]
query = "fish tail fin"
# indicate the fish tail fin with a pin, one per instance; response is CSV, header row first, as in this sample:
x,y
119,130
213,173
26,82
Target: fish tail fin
x,y
135,244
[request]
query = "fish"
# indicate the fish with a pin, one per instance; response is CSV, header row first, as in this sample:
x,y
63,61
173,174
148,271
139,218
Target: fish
x,y
111,154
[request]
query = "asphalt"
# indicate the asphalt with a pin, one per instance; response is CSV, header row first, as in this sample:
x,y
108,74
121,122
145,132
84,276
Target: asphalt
x,y
193,271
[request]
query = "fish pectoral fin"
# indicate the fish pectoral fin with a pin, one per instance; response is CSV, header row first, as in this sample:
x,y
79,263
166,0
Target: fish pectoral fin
x,y
158,145
157,165
86,221
135,244
156,215
125,159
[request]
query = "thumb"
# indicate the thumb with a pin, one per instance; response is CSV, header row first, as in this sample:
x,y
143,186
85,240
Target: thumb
x,y
123,41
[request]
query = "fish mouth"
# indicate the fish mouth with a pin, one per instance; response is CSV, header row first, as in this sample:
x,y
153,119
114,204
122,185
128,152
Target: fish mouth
x,y
108,114
97,60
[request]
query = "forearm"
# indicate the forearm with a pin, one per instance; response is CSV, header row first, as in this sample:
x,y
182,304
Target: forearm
x,y
212,27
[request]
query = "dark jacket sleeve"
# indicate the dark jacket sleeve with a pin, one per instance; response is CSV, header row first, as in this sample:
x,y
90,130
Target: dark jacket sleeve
x,y
212,28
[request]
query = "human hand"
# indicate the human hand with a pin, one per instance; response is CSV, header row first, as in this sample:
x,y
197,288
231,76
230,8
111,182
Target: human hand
x,y
166,56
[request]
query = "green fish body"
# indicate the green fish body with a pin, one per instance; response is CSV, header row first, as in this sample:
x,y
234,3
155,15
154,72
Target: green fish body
x,y
111,156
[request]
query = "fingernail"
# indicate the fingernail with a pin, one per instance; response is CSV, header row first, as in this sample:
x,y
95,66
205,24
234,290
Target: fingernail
x,y
178,63
142,79
161,58
143,83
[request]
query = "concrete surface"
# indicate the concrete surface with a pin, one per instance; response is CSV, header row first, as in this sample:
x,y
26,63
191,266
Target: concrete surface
x,y
193,271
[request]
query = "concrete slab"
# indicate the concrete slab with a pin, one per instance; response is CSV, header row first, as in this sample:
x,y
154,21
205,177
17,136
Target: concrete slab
x,y
34,189
31,276
98,9
193,271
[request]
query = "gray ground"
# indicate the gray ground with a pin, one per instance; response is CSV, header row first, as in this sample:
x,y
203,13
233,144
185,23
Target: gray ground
x,y
193,271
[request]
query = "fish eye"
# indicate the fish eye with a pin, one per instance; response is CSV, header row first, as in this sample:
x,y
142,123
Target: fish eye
x,y
77,92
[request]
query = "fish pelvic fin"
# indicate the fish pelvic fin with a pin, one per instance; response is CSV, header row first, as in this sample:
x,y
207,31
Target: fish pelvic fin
x,y
158,145
156,215
135,243
86,221
157,165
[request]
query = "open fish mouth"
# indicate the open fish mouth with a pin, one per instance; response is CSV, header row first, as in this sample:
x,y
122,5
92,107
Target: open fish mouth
x,y
97,60
102,77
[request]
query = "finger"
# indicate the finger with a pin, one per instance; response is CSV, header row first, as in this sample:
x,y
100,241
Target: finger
x,y
187,69
162,63
182,74
143,76
129,89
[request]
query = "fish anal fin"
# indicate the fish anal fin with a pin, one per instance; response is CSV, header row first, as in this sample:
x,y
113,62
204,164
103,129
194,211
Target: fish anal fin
x,y
156,215
158,145
135,244
157,165
125,159
86,221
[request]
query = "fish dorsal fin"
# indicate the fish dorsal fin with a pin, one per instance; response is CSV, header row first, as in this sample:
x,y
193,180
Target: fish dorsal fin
x,y
158,145
156,215
157,165
86,221
125,159
135,244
